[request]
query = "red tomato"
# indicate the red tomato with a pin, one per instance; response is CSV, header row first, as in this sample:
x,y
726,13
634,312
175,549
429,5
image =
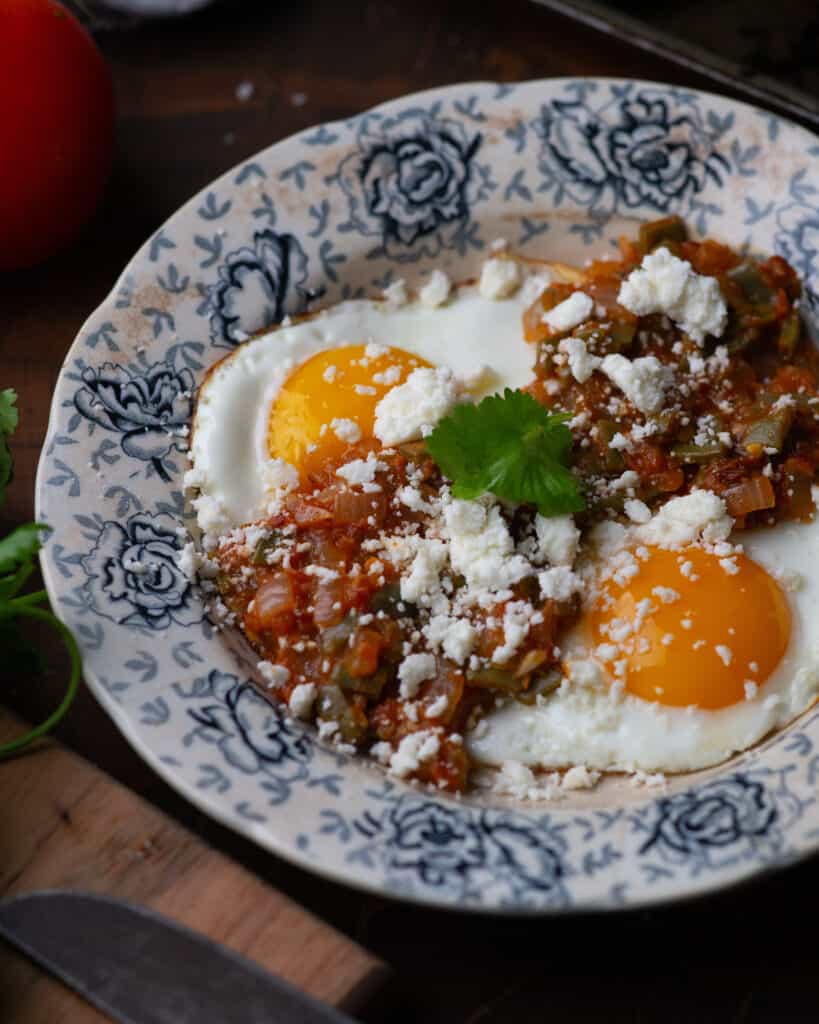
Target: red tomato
x,y
56,125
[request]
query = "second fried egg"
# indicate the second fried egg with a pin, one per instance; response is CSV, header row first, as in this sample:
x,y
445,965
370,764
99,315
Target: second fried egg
x,y
679,666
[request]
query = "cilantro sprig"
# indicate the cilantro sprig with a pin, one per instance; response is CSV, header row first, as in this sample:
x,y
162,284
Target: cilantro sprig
x,y
511,446
17,553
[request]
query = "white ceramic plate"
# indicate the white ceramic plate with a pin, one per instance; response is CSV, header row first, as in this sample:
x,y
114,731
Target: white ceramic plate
x,y
560,168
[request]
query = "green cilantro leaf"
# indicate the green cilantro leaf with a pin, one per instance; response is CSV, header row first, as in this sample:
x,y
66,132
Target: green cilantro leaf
x,y
9,416
510,446
20,546
17,552
8,424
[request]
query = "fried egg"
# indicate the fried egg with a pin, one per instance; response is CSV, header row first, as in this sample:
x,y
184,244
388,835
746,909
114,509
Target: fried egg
x,y
287,401
678,665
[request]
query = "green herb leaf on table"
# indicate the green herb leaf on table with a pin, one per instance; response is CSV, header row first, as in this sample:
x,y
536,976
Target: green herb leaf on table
x,y
511,446
8,424
17,553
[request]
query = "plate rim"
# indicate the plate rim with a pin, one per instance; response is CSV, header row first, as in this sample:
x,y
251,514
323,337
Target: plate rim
x,y
333,869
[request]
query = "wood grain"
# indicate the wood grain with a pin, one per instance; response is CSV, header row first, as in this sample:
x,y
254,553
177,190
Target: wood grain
x,y
67,825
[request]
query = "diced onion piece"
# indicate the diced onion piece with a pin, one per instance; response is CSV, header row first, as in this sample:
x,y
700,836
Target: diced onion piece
x,y
306,514
751,495
357,506
274,598
328,606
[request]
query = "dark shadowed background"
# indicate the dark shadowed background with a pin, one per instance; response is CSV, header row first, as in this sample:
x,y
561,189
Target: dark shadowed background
x,y
747,955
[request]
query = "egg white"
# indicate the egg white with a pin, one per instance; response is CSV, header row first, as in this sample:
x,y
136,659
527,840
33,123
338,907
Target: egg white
x,y
582,724
229,453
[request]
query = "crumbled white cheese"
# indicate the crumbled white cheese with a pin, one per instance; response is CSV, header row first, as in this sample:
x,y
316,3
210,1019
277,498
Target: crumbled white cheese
x,y
436,290
725,654
302,699
346,430
700,515
606,652
273,675
641,778
330,373
455,636
413,751
500,278
327,729
643,381
372,350
557,539
636,510
559,583
665,284
424,575
411,410
625,482
518,780
517,617
582,363
278,475
382,752
395,294
414,670
361,472
438,706
193,563
579,777
481,547
321,572
188,560
570,312
388,377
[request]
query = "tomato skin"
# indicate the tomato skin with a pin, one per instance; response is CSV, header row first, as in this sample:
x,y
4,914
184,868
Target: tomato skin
x,y
57,125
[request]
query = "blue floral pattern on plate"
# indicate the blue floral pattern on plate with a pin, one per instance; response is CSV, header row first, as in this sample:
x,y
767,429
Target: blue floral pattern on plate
x,y
561,168
258,285
133,577
150,409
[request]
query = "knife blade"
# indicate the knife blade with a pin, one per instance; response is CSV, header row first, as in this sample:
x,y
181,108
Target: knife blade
x,y
142,968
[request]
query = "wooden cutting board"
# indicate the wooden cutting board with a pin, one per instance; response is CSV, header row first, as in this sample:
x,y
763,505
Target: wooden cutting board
x,y
65,824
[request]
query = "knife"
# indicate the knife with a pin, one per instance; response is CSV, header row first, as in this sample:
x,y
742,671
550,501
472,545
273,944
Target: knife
x,y
142,968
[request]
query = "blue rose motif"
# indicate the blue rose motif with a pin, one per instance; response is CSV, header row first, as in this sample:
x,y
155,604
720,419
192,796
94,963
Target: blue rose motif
x,y
719,816
150,409
435,842
248,730
412,179
658,159
133,576
258,286
525,853
629,153
574,151
450,847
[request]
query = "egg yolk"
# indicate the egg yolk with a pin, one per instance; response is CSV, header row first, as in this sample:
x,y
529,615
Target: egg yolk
x,y
683,630
342,385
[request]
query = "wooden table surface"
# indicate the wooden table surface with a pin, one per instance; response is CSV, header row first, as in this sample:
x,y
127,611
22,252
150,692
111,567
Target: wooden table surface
x,y
746,955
